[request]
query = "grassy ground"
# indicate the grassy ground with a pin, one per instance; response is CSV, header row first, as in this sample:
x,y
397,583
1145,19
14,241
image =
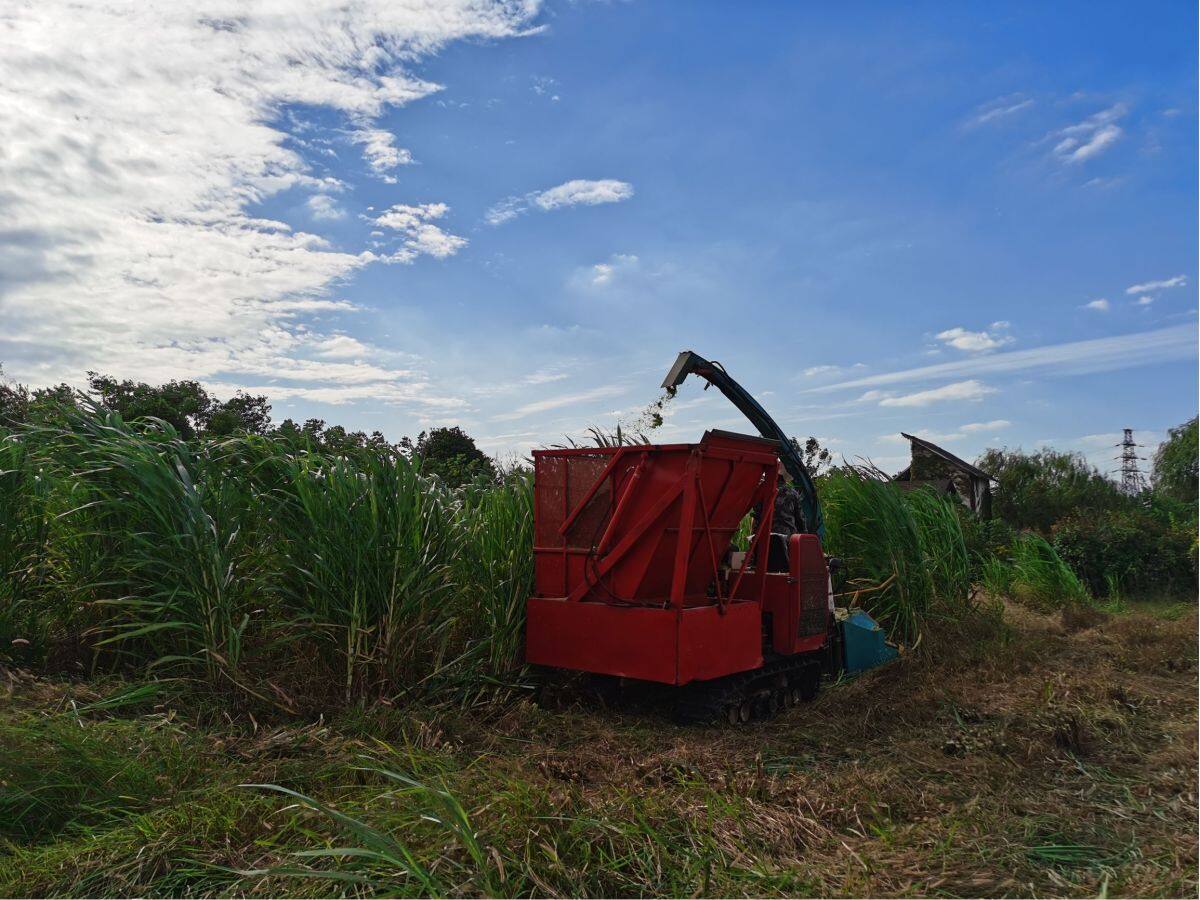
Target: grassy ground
x,y
1056,757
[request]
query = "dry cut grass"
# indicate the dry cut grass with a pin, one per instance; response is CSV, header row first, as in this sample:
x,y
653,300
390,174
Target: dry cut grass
x,y
1056,756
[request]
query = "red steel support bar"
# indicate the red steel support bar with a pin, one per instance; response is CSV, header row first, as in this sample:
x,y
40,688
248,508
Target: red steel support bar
x,y
712,551
613,556
756,539
687,522
587,498
622,504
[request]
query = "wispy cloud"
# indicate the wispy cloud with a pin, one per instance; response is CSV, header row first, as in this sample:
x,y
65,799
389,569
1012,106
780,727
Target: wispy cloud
x,y
540,406
813,371
1100,305
544,86
976,341
1145,301
1147,287
340,346
1000,108
421,236
970,390
994,425
1075,358
971,429
577,192
380,151
1091,137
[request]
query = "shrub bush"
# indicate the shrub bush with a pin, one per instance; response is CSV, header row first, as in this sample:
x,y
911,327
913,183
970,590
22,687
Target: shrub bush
x,y
1038,489
1129,550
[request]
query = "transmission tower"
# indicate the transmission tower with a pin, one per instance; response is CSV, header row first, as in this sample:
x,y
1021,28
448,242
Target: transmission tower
x,y
1133,482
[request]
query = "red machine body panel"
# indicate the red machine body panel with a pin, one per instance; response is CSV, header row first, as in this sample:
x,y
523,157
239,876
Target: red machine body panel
x,y
665,645
630,555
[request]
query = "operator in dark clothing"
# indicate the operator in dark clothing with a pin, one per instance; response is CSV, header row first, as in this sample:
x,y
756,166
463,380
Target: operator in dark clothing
x,y
788,519
789,509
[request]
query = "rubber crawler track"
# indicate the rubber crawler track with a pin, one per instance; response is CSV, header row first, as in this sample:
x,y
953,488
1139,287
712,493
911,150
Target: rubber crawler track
x,y
758,694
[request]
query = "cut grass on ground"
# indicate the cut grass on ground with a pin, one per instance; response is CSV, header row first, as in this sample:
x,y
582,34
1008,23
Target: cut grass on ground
x,y
1058,760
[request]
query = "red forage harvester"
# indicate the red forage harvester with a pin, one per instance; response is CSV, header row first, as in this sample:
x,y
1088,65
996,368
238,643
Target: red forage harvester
x,y
636,577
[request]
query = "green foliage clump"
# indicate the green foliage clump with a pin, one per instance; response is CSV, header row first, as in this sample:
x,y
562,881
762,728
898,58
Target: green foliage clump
x,y
175,572
1038,489
1034,574
1176,463
451,455
1128,550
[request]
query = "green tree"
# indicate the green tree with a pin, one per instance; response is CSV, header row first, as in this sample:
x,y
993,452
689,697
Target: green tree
x,y
182,404
1038,489
1175,464
451,454
185,405
241,413
21,406
315,435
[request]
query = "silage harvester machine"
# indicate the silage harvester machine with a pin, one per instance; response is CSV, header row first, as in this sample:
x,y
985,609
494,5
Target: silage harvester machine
x,y
636,576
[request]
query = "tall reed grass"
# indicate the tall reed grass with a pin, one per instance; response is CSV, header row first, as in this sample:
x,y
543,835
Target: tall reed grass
x,y
155,543
904,552
225,560
24,531
1035,575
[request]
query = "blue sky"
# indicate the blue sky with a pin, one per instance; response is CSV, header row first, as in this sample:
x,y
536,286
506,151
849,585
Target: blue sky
x,y
975,222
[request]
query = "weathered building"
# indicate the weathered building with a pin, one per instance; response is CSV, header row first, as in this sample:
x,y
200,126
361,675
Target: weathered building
x,y
936,468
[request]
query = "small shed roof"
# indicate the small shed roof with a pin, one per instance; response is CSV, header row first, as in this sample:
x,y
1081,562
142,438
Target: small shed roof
x,y
948,456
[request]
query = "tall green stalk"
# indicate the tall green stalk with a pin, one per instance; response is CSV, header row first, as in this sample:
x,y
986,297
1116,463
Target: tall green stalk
x,y
168,569
366,543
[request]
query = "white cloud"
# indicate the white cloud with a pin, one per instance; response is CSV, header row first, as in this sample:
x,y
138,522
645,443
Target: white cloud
x,y
1100,305
137,138
380,151
1144,301
994,425
577,192
1091,137
605,274
959,434
1177,281
421,236
1000,108
581,191
506,210
538,406
813,371
960,390
340,346
323,207
544,376
543,86
1075,358
976,341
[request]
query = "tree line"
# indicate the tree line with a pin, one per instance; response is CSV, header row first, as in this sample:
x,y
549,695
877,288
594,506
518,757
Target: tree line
x,y
195,414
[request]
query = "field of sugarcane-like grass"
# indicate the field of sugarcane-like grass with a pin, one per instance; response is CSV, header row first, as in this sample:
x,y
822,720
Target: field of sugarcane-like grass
x,y
239,666
273,574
